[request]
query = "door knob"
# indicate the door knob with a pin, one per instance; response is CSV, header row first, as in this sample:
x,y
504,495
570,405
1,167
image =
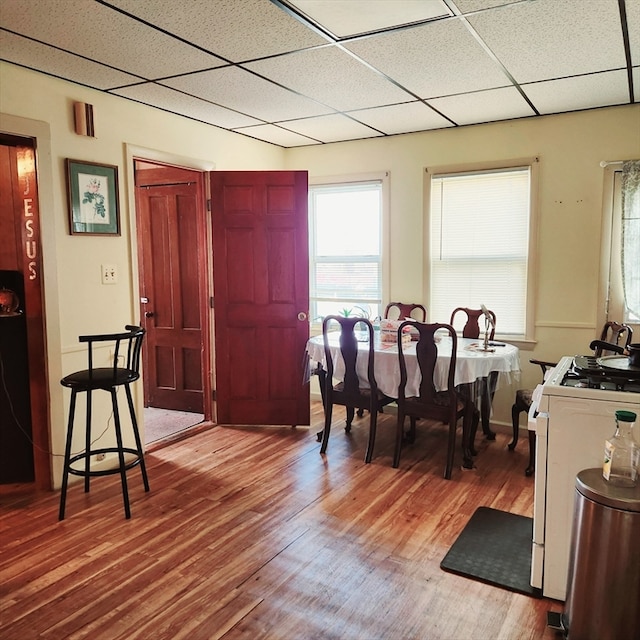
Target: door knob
x,y
148,314
302,316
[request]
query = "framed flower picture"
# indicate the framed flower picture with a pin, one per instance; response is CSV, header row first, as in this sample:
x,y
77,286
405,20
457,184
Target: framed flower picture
x,y
93,198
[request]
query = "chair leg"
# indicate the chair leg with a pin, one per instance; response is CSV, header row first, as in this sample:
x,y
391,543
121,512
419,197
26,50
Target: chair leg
x,y
515,424
485,408
351,412
87,449
327,426
399,437
67,456
530,470
473,428
373,425
411,434
136,435
451,447
467,431
119,444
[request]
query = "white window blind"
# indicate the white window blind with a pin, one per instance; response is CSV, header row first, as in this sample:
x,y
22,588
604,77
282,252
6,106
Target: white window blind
x,y
479,230
345,248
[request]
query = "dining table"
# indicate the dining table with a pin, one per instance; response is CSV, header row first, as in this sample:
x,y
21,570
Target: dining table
x,y
478,372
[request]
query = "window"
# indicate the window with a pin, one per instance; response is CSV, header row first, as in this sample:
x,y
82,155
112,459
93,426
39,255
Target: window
x,y
617,302
480,244
346,241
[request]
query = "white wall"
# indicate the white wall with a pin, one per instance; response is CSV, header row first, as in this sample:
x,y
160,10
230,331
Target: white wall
x,y
76,302
570,148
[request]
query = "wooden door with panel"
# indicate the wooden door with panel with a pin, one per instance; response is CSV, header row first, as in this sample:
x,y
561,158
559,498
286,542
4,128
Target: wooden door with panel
x,y
172,265
261,298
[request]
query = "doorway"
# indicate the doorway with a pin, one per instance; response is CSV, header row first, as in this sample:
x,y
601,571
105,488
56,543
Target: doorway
x,y
173,282
251,238
24,402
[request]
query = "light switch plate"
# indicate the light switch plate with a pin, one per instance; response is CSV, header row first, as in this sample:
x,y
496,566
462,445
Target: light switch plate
x,y
109,274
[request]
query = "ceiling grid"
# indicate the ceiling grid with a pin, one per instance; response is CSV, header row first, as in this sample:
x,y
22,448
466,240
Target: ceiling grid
x,y
305,72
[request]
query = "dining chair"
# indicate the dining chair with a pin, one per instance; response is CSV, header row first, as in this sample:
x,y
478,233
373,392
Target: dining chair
x,y
446,406
612,332
471,329
349,391
523,403
125,346
405,310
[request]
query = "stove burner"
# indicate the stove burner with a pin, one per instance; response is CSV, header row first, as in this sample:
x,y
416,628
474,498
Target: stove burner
x,y
587,372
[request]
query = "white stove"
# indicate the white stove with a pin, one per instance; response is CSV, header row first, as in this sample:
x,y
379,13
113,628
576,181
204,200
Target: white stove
x,y
575,415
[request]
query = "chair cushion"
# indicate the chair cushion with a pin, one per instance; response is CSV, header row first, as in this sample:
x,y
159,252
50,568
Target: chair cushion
x,y
102,378
525,396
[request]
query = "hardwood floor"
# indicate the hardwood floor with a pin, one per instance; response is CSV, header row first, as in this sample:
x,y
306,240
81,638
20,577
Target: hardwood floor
x,y
250,533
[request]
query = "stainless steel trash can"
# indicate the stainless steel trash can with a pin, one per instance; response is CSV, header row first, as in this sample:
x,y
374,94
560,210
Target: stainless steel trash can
x,y
603,584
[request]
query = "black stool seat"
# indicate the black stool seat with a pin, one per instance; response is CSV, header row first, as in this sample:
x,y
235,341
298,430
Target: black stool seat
x,y
126,345
103,378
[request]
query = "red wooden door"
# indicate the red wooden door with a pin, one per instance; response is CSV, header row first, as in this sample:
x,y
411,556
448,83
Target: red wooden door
x,y
172,241
261,296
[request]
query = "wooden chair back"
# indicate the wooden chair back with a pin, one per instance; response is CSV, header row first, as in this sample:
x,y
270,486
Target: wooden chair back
x,y
613,332
472,328
430,404
348,392
405,310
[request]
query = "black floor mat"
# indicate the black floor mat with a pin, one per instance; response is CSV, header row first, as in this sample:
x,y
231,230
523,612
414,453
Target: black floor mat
x,y
494,547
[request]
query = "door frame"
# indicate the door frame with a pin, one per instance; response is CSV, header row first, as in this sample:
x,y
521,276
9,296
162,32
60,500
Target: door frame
x,y
159,157
49,398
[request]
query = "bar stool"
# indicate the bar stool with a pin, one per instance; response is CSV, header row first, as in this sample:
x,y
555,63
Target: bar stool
x,y
128,346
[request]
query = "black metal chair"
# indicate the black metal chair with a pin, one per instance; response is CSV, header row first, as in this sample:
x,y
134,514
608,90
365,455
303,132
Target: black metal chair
x,y
444,406
126,345
349,392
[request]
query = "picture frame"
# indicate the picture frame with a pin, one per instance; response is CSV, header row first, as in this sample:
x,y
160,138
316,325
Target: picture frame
x,y
93,198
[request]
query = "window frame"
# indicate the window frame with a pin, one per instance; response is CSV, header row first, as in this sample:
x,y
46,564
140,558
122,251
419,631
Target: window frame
x,y
611,304
527,340
383,177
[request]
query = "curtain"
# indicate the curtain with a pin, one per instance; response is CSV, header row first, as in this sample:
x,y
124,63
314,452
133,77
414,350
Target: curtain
x,y
631,236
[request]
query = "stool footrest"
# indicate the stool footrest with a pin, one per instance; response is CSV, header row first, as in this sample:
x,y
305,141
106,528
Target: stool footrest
x,y
103,472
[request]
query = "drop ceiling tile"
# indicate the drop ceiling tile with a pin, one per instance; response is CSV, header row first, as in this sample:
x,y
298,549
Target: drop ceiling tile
x,y
432,60
467,6
234,30
582,92
276,135
170,100
402,118
332,77
548,39
332,128
350,17
484,106
633,23
42,57
242,91
102,34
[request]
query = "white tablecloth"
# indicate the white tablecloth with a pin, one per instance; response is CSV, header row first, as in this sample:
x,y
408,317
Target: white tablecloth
x,y
471,363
